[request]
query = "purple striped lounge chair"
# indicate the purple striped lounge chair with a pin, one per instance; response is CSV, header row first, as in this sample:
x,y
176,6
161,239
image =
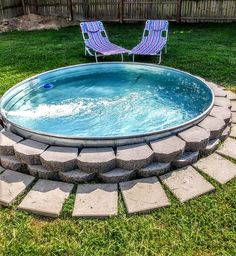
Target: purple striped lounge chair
x,y
154,39
97,42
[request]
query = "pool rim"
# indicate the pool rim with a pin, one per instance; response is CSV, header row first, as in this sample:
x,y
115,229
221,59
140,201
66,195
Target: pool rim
x,y
62,140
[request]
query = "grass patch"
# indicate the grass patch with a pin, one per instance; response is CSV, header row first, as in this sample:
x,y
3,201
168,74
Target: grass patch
x,y
207,50
203,226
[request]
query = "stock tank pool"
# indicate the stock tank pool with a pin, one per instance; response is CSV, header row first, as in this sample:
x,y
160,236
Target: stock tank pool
x,y
104,103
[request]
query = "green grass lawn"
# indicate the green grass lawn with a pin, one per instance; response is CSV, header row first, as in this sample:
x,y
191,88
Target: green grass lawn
x,y
203,226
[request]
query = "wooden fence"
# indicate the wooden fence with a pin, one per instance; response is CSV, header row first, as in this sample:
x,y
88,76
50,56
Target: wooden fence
x,y
124,10
10,8
208,10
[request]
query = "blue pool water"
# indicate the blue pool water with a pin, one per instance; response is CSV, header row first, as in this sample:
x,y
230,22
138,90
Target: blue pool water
x,y
109,99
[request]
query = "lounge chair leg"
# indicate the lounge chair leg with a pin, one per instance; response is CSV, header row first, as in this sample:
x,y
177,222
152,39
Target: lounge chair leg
x,y
85,52
165,49
133,57
122,58
159,58
96,57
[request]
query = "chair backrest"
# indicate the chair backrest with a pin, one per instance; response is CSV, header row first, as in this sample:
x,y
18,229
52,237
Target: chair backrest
x,y
92,29
156,27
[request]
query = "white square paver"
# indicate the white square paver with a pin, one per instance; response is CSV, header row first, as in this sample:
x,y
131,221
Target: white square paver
x,y
96,200
233,117
12,184
231,95
217,167
233,103
46,198
143,195
186,183
233,131
228,149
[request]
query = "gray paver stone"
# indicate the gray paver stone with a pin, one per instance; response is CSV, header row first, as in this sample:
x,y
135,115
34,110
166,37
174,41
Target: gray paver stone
x,y
76,176
117,175
96,200
233,131
94,160
231,95
186,183
214,125
228,148
221,113
233,118
154,169
225,133
186,159
46,198
13,184
7,141
167,149
10,162
223,102
29,151
143,195
59,159
218,92
210,148
196,138
212,85
217,167
133,157
42,173
233,103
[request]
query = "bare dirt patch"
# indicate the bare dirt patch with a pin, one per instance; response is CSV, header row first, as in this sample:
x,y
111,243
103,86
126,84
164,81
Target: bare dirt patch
x,y
34,22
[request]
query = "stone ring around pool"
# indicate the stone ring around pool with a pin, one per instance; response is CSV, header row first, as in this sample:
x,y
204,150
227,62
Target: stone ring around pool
x,y
111,122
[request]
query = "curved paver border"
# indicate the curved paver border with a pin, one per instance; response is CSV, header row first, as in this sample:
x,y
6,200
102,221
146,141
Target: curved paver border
x,y
79,165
